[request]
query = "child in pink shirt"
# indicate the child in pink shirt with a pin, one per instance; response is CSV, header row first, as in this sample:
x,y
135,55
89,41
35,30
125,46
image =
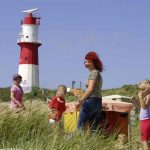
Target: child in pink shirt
x,y
16,93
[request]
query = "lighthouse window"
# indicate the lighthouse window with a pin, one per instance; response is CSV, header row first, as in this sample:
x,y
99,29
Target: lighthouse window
x,y
26,59
27,36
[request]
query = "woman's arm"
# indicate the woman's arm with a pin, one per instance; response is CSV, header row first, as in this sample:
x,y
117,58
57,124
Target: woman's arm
x,y
87,93
89,90
15,100
144,101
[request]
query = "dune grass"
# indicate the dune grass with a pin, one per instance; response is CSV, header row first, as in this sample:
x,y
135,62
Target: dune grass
x,y
30,129
25,129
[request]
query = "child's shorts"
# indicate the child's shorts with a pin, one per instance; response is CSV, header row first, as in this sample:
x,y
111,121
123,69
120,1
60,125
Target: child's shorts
x,y
145,129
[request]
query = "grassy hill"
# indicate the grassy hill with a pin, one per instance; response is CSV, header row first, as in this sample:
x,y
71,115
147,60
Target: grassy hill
x,y
126,90
30,129
43,94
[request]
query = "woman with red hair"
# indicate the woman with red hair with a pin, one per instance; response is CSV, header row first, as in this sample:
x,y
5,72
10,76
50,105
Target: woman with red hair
x,y
91,101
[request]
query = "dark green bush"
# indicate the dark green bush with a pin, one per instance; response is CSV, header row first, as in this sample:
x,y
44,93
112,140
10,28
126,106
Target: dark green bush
x,y
5,94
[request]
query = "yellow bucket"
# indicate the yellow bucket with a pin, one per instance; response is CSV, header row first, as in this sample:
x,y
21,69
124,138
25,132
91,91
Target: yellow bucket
x,y
70,121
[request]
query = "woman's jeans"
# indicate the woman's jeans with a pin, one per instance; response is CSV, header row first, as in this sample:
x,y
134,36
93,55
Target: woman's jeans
x,y
90,113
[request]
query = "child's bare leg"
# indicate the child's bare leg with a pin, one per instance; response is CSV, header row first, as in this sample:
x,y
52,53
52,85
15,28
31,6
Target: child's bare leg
x,y
146,146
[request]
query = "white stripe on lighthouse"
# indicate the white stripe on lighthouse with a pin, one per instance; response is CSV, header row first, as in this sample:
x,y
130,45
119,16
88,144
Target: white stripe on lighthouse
x,y
30,76
29,33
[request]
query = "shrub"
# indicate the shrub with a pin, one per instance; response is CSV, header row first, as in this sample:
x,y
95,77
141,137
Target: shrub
x,y
5,94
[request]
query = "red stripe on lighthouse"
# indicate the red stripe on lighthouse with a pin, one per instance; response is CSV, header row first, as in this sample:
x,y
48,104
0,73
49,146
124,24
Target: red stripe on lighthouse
x,y
29,53
29,19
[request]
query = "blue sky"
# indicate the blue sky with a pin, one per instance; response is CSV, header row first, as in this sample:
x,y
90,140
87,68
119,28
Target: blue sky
x,y
118,30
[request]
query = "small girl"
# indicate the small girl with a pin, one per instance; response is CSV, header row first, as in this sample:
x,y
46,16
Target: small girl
x,y
57,105
144,99
145,113
16,93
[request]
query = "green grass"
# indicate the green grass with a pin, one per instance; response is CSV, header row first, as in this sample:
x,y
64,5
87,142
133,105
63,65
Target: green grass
x,y
43,94
30,129
37,93
126,90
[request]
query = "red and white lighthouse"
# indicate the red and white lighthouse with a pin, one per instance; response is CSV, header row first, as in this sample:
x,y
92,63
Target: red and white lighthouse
x,y
29,43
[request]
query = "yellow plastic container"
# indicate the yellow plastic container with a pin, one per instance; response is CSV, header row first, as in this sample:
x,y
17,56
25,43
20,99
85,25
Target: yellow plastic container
x,y
70,121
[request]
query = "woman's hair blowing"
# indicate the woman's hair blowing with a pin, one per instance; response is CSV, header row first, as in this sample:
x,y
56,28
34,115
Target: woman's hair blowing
x,y
93,56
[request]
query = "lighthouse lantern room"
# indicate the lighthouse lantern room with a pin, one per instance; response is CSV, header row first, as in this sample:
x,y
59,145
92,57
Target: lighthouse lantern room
x,y
29,43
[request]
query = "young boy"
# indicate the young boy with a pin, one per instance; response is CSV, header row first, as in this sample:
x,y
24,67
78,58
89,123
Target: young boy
x,y
57,105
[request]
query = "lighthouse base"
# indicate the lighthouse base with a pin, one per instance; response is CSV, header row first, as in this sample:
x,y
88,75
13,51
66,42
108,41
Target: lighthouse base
x,y
30,76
